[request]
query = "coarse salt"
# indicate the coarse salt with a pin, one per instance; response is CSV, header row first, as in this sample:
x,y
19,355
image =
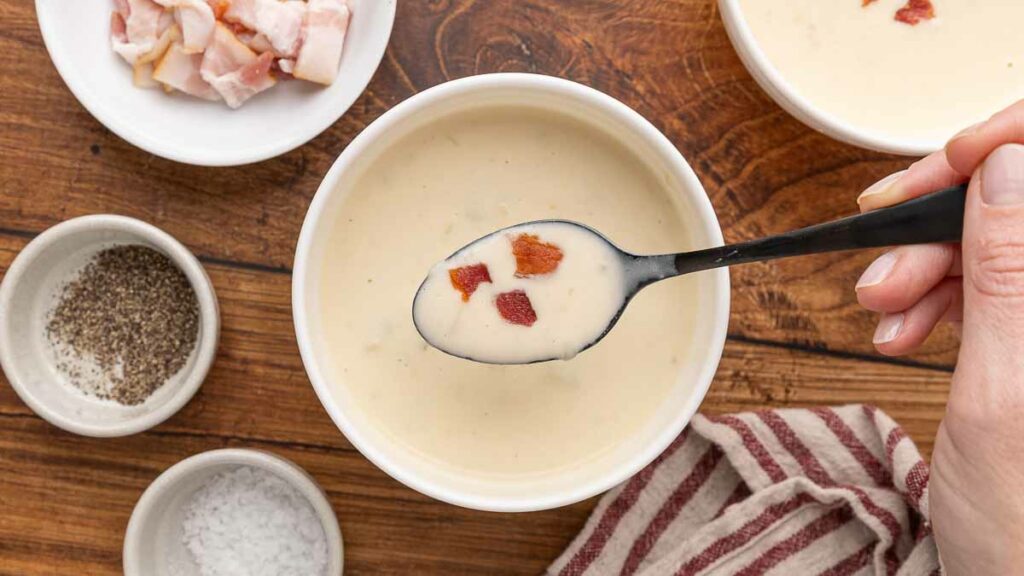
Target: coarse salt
x,y
249,522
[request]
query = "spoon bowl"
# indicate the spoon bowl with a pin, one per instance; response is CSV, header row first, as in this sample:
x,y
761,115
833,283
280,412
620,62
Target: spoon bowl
x,y
573,306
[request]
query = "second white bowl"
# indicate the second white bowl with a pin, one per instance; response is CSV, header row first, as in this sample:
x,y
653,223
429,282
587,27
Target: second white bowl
x,y
776,85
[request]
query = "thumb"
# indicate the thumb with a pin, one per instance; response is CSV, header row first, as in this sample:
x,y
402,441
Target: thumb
x,y
991,359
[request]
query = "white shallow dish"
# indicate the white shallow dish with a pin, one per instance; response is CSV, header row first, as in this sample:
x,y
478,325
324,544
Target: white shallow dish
x,y
776,85
153,544
562,97
193,131
28,291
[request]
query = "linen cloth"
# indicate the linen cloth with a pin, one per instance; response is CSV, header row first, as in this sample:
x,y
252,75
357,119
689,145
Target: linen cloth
x,y
828,491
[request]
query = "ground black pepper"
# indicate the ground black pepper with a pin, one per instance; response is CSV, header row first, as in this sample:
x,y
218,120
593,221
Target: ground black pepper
x,y
125,324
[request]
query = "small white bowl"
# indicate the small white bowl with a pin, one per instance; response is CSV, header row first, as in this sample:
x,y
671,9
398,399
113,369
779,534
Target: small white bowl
x,y
193,131
776,85
153,544
582,104
29,290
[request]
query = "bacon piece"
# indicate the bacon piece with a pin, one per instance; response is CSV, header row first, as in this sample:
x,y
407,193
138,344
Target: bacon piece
x,y
254,40
279,22
167,37
534,257
219,7
323,38
286,66
915,11
468,278
134,28
179,70
867,2
515,308
233,70
142,76
197,21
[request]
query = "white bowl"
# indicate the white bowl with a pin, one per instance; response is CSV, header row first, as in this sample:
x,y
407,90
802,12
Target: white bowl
x,y
29,290
775,84
193,131
581,103
153,542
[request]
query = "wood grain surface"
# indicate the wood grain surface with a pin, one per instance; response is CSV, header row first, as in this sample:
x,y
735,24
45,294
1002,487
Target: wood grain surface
x,y
797,336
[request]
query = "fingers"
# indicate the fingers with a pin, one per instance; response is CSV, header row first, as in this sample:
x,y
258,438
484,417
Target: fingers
x,y
988,375
903,332
966,151
899,279
928,175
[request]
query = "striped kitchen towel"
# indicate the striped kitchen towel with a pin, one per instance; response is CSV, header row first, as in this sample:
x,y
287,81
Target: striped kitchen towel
x,y
826,491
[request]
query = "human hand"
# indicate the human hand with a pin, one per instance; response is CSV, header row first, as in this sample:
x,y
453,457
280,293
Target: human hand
x,y
976,492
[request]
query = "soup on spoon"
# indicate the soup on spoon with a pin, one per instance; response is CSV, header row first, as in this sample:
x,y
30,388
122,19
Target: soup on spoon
x,y
537,291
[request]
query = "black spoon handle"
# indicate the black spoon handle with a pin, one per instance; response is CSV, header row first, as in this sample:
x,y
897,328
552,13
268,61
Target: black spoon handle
x,y
937,217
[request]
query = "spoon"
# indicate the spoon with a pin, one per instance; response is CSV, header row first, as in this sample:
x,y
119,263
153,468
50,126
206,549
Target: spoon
x,y
936,217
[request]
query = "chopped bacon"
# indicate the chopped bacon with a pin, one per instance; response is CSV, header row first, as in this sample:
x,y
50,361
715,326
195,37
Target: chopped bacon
x,y
468,278
916,11
118,29
179,70
134,28
219,7
280,23
284,68
323,37
269,40
515,308
534,257
197,21
866,2
233,70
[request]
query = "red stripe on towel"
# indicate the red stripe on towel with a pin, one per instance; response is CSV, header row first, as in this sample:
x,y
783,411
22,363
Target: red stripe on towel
x,y
669,511
719,548
872,466
754,446
809,534
738,495
623,503
813,469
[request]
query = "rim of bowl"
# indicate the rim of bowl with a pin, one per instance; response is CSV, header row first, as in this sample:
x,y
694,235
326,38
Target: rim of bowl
x,y
775,84
126,131
209,311
280,466
706,218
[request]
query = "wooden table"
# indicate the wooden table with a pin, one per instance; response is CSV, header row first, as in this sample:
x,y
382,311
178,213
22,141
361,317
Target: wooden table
x,y
797,336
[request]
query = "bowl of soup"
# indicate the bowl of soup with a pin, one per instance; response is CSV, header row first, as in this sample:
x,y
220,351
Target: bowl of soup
x,y
450,165
895,76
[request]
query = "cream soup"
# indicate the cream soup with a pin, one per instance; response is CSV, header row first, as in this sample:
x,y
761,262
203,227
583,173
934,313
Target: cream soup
x,y
444,185
860,65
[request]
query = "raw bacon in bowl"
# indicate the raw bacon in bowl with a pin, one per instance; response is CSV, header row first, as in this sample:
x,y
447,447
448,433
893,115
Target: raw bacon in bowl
x,y
229,50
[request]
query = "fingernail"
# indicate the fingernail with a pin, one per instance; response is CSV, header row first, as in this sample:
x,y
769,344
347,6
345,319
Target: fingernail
x,y
878,271
881,187
888,328
1002,176
967,131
